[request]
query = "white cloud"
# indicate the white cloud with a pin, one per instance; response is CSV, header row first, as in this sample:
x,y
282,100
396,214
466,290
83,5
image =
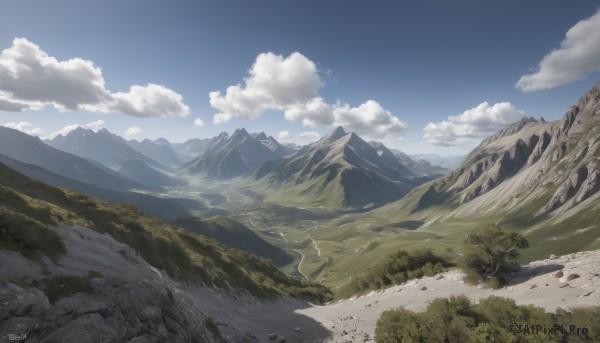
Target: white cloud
x,y
292,84
274,82
283,135
578,55
31,79
198,122
94,126
26,127
64,131
310,135
133,132
472,124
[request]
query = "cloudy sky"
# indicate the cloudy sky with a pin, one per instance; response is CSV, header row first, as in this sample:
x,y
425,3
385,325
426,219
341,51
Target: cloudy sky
x,y
421,76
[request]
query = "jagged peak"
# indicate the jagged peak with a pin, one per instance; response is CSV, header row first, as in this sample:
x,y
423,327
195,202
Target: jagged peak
x,y
240,135
338,132
261,136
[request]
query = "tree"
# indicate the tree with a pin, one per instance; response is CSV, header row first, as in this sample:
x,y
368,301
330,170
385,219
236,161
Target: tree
x,y
488,252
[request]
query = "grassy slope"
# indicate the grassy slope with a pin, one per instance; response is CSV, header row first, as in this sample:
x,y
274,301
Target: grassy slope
x,y
183,255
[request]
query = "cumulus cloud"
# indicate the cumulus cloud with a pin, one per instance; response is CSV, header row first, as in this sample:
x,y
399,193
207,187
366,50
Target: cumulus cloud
x,y
578,55
310,135
274,82
133,132
198,122
94,126
472,124
283,135
31,79
291,84
26,127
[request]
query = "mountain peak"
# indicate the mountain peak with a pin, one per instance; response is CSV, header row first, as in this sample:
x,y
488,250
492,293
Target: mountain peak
x,y
240,134
338,132
261,136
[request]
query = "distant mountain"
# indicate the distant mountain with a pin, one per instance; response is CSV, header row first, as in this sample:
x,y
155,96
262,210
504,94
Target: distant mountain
x,y
159,150
102,146
448,161
235,235
273,145
22,147
340,170
141,172
168,209
227,157
195,147
293,146
416,168
420,167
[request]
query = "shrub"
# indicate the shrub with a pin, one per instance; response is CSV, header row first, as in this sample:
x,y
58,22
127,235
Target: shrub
x,y
457,320
487,253
399,267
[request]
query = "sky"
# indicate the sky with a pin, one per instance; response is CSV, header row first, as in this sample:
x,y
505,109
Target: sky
x,y
421,76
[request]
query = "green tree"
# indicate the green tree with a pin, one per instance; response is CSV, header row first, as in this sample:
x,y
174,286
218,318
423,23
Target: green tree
x,y
488,251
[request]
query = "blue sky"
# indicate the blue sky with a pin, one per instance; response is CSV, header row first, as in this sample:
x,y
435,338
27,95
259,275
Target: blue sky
x,y
386,69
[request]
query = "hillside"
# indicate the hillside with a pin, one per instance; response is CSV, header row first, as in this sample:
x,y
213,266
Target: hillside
x,y
339,171
168,209
235,235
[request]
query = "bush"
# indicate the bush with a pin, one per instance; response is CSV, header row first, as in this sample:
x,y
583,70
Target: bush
x,y
457,320
399,267
488,251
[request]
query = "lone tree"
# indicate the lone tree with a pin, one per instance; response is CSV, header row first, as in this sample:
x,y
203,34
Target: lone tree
x,y
489,251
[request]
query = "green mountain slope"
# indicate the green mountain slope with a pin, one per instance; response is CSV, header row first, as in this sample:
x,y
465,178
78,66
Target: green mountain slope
x,y
185,256
235,235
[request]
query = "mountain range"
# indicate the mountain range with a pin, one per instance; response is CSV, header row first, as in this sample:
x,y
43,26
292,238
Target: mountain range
x,y
228,157
101,146
341,171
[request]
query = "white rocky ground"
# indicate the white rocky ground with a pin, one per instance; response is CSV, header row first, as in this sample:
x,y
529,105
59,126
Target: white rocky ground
x,y
132,304
354,320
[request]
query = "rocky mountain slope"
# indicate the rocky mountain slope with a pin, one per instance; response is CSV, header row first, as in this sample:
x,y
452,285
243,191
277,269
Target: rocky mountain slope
x,y
340,171
229,157
531,160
